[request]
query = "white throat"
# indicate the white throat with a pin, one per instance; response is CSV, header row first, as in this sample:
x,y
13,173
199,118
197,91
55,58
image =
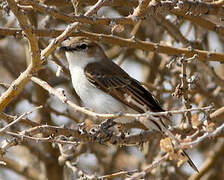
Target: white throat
x,y
91,96
80,59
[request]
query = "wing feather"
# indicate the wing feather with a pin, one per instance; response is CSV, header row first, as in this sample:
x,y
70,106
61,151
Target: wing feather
x,y
110,78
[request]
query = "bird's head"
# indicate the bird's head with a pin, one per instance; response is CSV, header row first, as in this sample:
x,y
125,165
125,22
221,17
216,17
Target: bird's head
x,y
82,49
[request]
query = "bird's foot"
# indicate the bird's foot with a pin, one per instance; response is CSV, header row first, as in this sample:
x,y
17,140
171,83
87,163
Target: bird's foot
x,y
105,125
102,133
104,128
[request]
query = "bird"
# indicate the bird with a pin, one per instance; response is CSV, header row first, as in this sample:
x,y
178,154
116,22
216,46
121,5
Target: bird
x,y
105,87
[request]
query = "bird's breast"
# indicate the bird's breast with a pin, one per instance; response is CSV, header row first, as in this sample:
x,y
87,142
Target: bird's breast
x,y
91,96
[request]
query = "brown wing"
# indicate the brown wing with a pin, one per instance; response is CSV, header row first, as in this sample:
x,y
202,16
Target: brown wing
x,y
110,78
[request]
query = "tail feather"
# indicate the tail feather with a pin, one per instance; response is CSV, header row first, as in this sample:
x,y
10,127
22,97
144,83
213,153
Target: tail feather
x,y
190,162
164,130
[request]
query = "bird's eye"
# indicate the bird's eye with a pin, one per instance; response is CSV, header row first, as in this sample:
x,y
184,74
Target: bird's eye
x,y
83,46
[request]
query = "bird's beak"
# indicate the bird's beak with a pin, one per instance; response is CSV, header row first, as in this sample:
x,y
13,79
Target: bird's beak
x,y
63,48
67,48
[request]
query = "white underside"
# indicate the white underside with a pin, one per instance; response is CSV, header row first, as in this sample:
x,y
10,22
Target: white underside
x,y
91,96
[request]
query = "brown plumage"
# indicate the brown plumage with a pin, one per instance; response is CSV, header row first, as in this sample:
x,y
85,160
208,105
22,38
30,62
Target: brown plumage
x,y
113,80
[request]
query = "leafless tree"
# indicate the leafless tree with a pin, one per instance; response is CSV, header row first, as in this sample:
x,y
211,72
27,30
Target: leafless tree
x,y
174,47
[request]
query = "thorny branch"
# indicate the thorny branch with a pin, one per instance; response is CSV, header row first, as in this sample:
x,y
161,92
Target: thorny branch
x,y
148,169
130,43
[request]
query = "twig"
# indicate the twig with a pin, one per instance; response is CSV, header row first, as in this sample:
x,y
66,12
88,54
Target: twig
x,y
117,174
171,29
186,13
210,70
124,50
203,137
121,3
78,133
184,86
195,8
149,168
139,12
39,139
71,28
27,171
10,118
17,86
129,43
19,118
218,115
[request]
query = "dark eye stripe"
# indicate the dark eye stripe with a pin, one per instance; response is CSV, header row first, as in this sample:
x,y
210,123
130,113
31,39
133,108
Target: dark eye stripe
x,y
67,48
76,48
